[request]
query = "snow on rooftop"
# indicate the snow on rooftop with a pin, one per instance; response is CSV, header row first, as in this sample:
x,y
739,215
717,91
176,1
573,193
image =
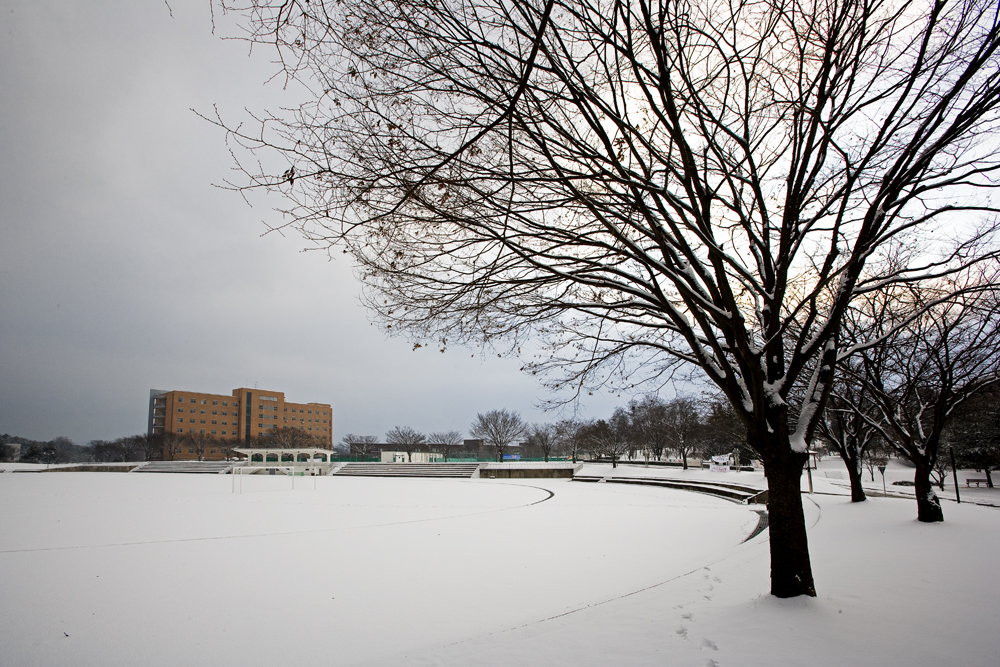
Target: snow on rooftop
x,y
119,569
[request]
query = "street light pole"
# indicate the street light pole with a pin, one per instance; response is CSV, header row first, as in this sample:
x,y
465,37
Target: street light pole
x,y
954,472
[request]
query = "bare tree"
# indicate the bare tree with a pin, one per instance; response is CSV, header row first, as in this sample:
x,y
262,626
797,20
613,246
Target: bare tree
x,y
170,446
848,432
499,429
199,442
360,445
102,451
875,456
568,436
288,437
227,447
151,446
724,431
406,439
607,438
544,437
129,447
447,440
920,373
628,430
683,426
645,185
648,416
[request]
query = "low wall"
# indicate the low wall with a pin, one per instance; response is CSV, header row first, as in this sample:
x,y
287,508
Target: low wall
x,y
524,473
124,467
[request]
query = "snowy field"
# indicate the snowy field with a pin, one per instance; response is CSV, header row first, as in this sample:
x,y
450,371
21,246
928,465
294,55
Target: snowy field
x,y
145,569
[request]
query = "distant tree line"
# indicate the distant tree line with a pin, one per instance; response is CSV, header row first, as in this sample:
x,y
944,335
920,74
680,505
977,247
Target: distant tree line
x,y
648,428
26,450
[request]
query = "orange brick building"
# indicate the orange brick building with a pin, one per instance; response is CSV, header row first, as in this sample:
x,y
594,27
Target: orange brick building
x,y
245,414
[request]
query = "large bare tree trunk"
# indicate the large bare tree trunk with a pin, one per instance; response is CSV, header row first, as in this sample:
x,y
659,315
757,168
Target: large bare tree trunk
x,y
928,504
791,572
854,474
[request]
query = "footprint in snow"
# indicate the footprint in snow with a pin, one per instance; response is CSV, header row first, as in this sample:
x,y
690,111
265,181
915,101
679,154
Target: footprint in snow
x,y
688,616
708,643
681,632
711,663
717,580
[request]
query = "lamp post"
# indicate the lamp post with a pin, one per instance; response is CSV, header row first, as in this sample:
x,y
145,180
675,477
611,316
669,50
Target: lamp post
x,y
954,472
809,468
881,470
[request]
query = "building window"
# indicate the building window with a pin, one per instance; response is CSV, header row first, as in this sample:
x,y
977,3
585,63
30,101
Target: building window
x,y
202,421
180,430
202,412
213,433
225,402
215,412
204,402
223,433
180,399
193,411
214,421
180,409
190,450
213,451
202,431
214,403
224,413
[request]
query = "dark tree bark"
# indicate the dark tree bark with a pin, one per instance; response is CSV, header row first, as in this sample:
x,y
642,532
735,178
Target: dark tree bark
x,y
928,504
791,571
854,474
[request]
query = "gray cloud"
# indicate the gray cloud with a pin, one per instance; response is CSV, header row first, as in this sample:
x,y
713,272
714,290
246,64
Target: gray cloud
x,y
122,268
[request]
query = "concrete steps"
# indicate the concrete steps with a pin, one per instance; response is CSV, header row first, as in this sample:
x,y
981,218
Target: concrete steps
x,y
204,467
735,492
450,470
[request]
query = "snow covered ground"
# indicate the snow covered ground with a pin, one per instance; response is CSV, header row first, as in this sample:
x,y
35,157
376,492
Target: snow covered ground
x,y
130,569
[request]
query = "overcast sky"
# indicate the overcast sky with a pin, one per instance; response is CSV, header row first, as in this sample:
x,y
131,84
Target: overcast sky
x,y
123,269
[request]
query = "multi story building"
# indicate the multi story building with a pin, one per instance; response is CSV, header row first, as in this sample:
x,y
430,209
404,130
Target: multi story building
x,y
238,418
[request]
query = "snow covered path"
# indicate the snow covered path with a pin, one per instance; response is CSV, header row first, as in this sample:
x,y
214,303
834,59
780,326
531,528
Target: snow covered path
x,y
117,569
